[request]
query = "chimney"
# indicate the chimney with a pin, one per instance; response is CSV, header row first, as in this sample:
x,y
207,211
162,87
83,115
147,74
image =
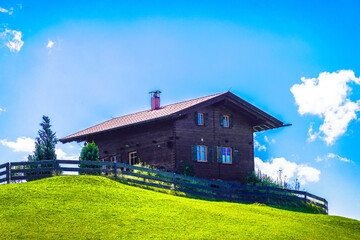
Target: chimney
x,y
155,100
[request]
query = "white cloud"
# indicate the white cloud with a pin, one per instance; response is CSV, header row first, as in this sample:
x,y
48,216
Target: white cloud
x,y
332,156
12,39
328,97
258,146
291,170
50,44
3,10
266,139
22,144
60,154
311,134
2,110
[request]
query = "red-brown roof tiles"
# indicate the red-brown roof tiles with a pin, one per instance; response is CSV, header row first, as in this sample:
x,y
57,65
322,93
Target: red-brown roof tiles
x,y
139,117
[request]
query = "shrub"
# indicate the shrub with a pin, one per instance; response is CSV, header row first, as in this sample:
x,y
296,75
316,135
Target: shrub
x,y
90,152
186,169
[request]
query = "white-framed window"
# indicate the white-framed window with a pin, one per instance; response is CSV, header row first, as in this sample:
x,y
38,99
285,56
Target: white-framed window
x,y
226,155
226,121
201,153
113,159
103,166
133,158
200,119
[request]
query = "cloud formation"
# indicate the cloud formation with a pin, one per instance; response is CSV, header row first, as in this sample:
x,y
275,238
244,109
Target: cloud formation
x,y
258,146
10,11
2,110
60,154
50,44
267,140
22,144
12,39
332,156
291,170
25,144
327,96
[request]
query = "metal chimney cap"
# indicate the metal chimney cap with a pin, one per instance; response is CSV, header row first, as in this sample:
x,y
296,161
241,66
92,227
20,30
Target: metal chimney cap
x,y
155,93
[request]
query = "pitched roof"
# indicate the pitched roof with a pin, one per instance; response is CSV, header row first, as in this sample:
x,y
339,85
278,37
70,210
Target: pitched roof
x,y
164,112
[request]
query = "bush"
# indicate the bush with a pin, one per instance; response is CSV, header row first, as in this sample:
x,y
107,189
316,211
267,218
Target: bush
x,y
90,152
186,169
261,180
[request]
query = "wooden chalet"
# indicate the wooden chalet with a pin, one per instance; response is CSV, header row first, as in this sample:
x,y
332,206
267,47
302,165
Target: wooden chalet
x,y
212,135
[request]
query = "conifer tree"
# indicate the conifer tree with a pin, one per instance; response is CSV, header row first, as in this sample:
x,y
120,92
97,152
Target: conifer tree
x,y
44,145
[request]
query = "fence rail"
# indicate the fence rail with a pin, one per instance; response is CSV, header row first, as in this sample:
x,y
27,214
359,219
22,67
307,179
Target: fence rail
x,y
219,190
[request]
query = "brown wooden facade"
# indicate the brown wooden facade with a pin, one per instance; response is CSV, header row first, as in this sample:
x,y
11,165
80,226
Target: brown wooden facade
x,y
214,149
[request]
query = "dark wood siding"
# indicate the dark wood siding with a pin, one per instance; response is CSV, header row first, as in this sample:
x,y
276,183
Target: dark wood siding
x,y
239,137
153,143
165,143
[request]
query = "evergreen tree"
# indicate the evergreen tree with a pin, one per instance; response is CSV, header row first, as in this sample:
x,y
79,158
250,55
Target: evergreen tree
x,y
90,152
44,145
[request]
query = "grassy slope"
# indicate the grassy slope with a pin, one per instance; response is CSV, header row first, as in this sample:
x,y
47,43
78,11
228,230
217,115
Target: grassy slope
x,y
88,207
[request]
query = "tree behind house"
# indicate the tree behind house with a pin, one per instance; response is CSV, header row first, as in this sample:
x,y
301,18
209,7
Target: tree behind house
x,y
44,146
90,152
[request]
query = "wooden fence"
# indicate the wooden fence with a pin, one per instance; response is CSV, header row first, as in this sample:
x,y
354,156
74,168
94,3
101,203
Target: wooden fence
x,y
218,190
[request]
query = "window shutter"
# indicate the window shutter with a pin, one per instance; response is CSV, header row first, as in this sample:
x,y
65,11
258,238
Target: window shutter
x,y
235,155
221,120
231,121
219,154
206,119
193,153
196,118
210,154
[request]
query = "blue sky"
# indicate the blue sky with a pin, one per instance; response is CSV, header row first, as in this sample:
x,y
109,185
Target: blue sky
x,y
85,62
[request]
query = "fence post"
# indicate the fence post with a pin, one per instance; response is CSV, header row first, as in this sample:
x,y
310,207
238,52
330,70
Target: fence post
x,y
305,197
8,172
115,170
327,207
55,167
174,181
267,195
229,192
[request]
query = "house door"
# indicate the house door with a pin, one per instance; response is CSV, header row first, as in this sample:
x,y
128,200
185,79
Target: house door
x,y
133,158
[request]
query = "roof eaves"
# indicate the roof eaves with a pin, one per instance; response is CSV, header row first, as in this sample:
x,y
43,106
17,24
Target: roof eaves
x,y
257,110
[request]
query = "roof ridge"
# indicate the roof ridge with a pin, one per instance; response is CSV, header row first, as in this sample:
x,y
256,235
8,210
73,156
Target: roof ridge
x,y
161,107
196,99
144,111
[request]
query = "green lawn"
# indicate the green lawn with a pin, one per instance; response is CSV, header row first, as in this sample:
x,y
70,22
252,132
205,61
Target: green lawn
x,y
89,207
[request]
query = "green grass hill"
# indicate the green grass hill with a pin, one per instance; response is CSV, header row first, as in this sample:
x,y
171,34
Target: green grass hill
x,y
90,207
